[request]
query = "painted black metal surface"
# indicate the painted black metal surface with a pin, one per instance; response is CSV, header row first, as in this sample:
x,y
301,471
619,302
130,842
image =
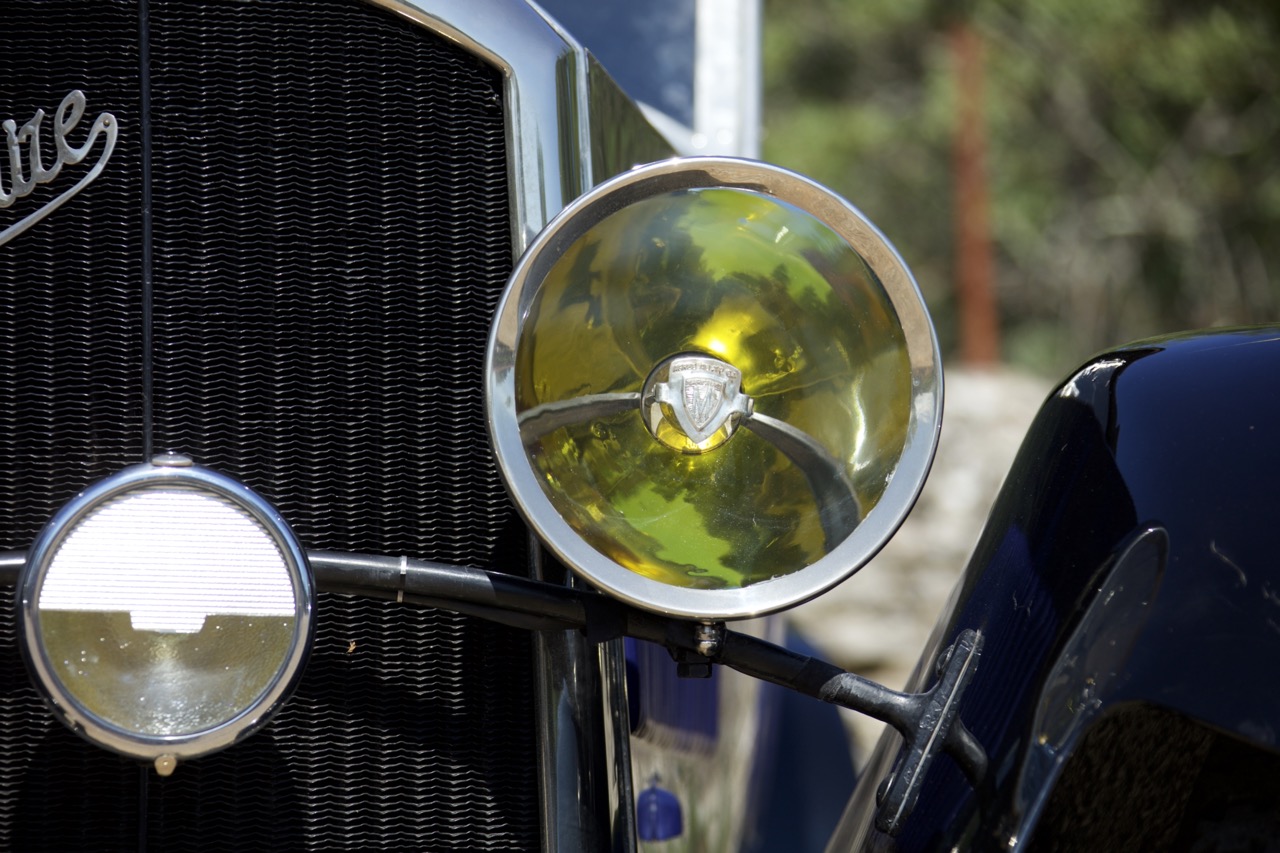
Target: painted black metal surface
x,y
1130,558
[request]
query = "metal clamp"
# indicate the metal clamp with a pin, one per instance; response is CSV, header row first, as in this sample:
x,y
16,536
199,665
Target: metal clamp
x,y
937,729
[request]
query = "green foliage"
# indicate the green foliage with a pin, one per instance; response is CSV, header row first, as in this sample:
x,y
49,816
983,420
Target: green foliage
x,y
1133,154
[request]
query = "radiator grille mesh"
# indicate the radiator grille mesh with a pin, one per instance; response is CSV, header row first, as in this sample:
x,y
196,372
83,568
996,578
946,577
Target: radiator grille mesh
x,y
331,236
331,239
70,336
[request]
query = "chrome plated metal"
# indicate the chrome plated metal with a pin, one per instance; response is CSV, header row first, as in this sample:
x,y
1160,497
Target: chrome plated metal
x,y
551,416
572,743
622,136
544,74
556,147
144,479
23,181
622,795
171,460
708,638
704,394
923,357
11,566
568,125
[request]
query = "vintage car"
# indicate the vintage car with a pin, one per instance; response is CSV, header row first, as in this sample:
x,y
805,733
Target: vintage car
x,y
1126,591
393,431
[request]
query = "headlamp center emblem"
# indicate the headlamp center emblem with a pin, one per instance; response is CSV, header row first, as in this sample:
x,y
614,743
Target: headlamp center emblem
x,y
693,403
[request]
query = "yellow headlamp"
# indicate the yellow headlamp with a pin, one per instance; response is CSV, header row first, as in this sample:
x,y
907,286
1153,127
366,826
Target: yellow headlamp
x,y
713,388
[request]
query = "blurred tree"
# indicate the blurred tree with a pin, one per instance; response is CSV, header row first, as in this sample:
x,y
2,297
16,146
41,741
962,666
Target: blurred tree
x,y
978,319
1133,154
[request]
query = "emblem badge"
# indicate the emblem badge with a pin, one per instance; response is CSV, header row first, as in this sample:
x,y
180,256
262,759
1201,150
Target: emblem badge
x,y
24,177
703,395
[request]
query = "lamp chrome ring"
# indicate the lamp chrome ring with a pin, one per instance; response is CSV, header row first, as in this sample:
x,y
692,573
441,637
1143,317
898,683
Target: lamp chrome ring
x,y
505,421
166,475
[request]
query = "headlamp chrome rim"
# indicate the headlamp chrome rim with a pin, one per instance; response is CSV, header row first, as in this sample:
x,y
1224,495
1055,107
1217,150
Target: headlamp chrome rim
x,y
523,481
90,725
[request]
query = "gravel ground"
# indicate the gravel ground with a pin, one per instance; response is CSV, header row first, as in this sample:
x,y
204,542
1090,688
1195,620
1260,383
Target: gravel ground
x,y
877,622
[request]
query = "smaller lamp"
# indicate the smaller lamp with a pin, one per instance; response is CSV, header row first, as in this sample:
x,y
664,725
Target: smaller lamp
x,y
165,612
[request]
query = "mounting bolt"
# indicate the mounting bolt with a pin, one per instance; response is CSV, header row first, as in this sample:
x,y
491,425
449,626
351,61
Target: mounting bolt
x,y
882,790
171,460
708,637
944,660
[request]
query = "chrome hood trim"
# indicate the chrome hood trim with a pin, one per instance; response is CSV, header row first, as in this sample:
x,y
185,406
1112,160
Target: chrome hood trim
x,y
544,81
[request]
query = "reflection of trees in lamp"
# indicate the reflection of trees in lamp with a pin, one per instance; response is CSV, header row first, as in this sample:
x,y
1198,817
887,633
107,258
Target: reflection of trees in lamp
x,y
769,290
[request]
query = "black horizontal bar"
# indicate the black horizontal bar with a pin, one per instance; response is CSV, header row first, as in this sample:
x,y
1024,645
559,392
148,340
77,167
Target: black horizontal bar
x,y
538,606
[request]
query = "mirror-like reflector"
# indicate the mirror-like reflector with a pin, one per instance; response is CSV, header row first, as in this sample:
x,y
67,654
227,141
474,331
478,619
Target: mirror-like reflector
x,y
751,293
714,389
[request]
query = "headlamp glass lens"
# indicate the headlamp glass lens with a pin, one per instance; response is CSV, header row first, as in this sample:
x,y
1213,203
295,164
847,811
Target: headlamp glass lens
x,y
716,309
167,611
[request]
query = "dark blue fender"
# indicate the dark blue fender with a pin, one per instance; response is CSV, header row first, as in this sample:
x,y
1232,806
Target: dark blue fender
x,y
1128,589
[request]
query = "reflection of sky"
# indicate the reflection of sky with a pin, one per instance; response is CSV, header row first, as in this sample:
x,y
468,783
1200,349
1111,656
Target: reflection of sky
x,y
646,45
169,558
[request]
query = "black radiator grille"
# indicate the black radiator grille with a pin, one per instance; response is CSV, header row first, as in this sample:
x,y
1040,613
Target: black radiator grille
x,y
331,235
331,239
424,767
70,335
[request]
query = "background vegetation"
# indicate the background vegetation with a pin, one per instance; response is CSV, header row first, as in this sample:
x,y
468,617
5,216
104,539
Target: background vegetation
x,y
1132,157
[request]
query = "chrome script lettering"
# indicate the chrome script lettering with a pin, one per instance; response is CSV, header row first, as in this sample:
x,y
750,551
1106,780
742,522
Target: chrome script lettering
x,y
25,177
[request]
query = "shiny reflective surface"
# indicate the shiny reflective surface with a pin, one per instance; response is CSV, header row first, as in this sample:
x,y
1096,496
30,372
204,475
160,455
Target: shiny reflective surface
x,y
545,89
166,611
162,683
569,127
694,403
1080,684
629,351
769,290
1178,432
